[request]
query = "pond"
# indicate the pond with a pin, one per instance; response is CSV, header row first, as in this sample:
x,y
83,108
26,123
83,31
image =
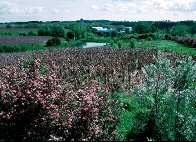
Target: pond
x,y
90,44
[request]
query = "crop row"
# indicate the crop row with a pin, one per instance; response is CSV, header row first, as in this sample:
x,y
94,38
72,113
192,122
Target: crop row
x,y
112,68
63,94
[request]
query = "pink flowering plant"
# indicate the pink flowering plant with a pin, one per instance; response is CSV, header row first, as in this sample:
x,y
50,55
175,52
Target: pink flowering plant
x,y
37,106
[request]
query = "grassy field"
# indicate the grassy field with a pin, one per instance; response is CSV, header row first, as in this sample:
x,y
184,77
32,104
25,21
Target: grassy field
x,y
167,45
16,31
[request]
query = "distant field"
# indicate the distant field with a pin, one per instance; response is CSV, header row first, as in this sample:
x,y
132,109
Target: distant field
x,y
16,31
24,39
167,45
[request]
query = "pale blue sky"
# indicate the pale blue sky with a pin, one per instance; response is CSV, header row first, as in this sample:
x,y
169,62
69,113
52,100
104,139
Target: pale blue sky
x,y
66,10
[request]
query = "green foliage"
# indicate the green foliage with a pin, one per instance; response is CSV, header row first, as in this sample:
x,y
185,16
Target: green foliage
x,y
31,33
149,39
120,43
113,33
179,30
133,43
41,32
111,43
57,30
193,30
167,36
168,93
8,26
141,28
10,49
65,43
127,30
78,30
70,35
53,41
53,30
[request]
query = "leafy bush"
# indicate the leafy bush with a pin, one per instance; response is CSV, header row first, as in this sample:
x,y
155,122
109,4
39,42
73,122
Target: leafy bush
x,y
53,41
49,43
111,43
156,36
149,39
132,43
11,49
169,93
120,43
167,37
31,33
8,26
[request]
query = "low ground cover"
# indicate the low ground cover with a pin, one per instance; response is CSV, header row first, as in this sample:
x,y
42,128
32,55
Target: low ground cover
x,y
89,94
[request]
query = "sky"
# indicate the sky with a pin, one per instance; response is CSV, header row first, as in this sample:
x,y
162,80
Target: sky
x,y
114,10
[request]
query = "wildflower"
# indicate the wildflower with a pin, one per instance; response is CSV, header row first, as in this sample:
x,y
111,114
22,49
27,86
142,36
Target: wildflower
x,y
86,108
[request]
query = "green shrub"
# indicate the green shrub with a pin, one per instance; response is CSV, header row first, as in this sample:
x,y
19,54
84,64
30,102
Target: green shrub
x,y
111,43
169,93
49,43
53,41
31,33
149,39
120,43
167,37
132,43
66,43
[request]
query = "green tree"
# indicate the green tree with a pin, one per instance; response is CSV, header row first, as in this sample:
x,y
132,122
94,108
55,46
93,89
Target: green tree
x,y
70,34
141,28
53,41
31,33
113,33
8,26
127,30
57,30
41,32
179,30
120,28
79,31
193,30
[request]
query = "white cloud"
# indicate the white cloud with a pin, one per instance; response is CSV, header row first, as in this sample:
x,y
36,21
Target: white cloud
x,y
184,6
8,8
176,5
122,7
67,11
125,7
147,2
107,7
54,11
131,5
176,13
94,7
141,9
33,10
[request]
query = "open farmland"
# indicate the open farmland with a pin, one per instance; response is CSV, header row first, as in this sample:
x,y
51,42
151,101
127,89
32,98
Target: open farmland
x,y
17,29
25,39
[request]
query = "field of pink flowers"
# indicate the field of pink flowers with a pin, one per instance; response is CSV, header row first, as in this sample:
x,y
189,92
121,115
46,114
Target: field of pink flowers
x,y
63,94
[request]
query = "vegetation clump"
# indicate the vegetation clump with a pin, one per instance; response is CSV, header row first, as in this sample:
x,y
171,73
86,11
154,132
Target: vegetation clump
x,y
53,41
